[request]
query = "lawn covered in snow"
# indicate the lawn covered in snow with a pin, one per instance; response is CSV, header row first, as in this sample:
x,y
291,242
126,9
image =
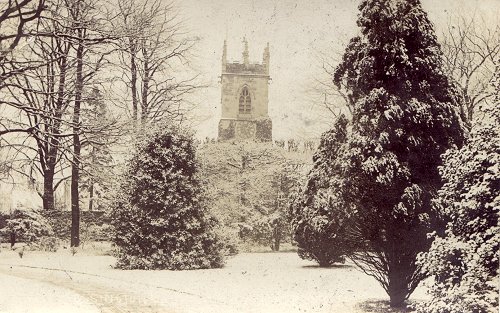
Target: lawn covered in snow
x,y
249,283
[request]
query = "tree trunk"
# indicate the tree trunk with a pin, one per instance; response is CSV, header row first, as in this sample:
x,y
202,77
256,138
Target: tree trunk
x,y
91,194
75,207
91,180
48,189
133,78
398,289
48,151
12,239
75,166
277,238
145,87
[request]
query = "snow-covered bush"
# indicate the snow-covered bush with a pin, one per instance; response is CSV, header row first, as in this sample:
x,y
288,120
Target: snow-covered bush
x,y
48,243
229,239
160,218
94,232
464,262
265,229
26,225
320,220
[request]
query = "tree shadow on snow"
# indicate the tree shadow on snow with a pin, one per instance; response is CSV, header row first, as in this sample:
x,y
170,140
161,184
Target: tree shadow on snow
x,y
327,267
382,306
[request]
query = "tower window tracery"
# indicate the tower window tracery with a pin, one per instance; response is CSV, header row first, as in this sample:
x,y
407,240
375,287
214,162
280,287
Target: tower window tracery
x,y
245,101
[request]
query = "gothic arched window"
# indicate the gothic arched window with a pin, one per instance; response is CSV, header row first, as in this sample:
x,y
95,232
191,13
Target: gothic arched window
x,y
245,101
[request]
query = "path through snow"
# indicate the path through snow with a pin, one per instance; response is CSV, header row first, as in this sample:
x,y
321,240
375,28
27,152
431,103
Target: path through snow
x,y
19,295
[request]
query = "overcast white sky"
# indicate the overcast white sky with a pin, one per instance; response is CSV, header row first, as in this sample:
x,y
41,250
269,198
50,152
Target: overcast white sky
x,y
296,30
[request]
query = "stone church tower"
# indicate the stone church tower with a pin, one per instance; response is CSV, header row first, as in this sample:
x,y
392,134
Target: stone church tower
x,y
245,98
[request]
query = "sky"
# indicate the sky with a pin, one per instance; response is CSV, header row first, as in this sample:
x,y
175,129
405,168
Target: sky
x,y
297,30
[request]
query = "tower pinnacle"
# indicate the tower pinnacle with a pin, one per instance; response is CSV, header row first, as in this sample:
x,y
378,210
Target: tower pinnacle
x,y
224,56
246,60
266,58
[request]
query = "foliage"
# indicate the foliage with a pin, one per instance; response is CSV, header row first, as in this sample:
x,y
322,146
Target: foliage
x,y
404,117
270,226
160,218
321,220
464,262
26,225
229,240
250,187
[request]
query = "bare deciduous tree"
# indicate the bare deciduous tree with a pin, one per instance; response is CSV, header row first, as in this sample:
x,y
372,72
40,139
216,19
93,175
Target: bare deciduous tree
x,y
88,30
470,48
324,92
14,17
38,99
155,54
45,102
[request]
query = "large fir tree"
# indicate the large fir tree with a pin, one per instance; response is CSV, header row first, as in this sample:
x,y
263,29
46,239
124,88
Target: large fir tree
x,y
160,219
405,116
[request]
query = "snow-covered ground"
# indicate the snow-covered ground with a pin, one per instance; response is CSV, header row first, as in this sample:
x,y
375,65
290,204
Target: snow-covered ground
x,y
249,283
20,295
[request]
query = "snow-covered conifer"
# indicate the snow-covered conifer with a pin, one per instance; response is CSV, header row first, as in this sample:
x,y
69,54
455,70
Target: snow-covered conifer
x,y
405,117
160,217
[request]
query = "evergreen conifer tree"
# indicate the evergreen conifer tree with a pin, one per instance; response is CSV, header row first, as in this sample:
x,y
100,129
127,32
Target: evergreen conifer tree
x,y
405,117
160,220
97,159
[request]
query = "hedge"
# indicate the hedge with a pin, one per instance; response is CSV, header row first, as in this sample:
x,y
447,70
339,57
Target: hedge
x,y
61,223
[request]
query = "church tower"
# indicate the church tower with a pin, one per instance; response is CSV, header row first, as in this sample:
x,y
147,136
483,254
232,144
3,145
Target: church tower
x,y
245,88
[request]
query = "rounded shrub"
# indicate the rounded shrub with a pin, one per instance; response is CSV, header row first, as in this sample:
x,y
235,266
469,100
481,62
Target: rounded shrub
x,y
160,219
25,225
